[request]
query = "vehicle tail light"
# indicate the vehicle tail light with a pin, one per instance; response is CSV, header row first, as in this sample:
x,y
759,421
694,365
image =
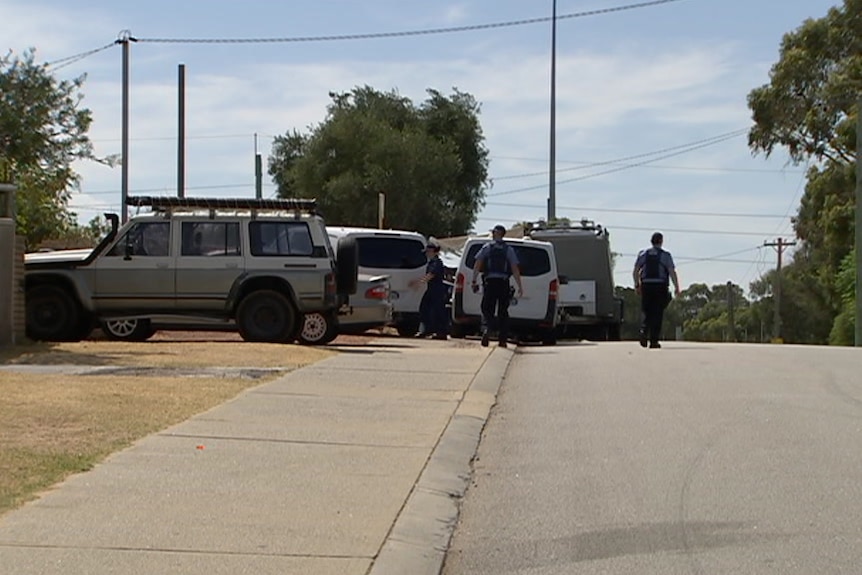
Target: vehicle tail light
x,y
377,292
331,288
553,289
459,283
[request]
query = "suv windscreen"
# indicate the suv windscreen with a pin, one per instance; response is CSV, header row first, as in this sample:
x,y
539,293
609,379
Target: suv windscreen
x,y
391,253
532,261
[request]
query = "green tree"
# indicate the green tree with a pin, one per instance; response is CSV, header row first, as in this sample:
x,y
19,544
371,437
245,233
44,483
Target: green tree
x,y
844,328
429,161
809,108
631,312
43,129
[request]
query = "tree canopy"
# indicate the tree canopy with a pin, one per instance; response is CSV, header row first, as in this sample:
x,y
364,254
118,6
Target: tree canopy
x,y
43,129
809,108
429,160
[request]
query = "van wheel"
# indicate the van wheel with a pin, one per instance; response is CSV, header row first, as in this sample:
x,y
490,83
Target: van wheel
x,y
457,331
52,315
549,338
128,329
266,316
318,329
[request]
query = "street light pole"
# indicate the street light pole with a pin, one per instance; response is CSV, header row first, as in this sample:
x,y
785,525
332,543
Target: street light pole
x,y
552,189
125,39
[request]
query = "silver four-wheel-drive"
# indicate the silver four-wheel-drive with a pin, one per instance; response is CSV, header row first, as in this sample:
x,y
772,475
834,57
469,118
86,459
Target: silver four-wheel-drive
x,y
262,265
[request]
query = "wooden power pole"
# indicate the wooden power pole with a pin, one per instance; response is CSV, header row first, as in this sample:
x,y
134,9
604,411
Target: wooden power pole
x,y
780,245
731,320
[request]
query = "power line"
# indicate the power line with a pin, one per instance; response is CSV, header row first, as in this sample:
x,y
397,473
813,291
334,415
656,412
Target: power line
x,y
173,138
169,189
584,165
649,212
425,32
643,229
712,142
69,60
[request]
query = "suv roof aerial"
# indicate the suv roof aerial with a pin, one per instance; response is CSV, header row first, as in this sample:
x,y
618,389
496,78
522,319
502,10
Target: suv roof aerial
x,y
261,263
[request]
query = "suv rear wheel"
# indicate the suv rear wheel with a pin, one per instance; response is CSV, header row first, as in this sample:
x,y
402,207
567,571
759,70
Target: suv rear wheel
x,y
128,329
52,314
266,316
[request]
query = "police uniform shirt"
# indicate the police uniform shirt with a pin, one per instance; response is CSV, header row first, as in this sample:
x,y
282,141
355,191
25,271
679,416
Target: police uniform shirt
x,y
664,270
483,257
435,266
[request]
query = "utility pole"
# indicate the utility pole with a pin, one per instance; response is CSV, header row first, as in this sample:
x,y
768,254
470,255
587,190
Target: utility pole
x,y
858,222
181,131
780,246
731,321
258,171
552,189
125,39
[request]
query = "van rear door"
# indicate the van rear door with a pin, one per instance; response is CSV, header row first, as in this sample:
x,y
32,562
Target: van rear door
x,y
538,272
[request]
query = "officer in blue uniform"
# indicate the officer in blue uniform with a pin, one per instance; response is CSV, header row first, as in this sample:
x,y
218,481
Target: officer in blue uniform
x,y
654,269
497,262
432,309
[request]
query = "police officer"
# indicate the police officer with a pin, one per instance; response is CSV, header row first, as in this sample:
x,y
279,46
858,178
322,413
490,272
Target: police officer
x,y
497,262
653,271
432,309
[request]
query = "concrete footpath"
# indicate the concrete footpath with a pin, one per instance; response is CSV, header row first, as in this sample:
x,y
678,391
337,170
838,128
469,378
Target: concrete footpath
x,y
351,466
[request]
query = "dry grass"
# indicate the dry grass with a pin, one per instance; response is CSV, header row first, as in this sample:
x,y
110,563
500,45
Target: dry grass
x,y
54,425
203,352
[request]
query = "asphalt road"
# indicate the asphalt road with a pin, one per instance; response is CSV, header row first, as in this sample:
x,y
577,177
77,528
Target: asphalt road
x,y
693,459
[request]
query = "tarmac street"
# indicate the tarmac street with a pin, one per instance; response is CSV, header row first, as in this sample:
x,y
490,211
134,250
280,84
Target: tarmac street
x,y
357,460
695,459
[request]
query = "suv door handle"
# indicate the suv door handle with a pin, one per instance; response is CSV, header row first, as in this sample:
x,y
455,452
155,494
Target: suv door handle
x,y
231,265
162,266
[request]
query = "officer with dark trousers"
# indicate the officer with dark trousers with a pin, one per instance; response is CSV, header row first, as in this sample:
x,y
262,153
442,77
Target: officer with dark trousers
x,y
654,269
432,308
497,262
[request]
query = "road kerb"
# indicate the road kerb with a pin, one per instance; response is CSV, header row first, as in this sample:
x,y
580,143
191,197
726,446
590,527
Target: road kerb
x,y
419,539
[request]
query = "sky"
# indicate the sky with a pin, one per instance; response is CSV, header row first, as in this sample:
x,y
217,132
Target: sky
x,y
629,84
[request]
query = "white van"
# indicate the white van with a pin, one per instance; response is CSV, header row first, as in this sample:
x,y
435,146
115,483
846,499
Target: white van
x,y
532,317
398,254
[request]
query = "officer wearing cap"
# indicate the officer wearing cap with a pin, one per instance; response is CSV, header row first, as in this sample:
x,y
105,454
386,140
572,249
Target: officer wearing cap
x,y
654,269
497,262
432,309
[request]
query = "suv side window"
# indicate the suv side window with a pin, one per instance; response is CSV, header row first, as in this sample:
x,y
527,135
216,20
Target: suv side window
x,y
145,239
210,239
280,239
391,253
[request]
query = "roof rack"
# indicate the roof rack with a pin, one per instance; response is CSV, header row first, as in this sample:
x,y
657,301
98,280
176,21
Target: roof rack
x,y
583,225
174,204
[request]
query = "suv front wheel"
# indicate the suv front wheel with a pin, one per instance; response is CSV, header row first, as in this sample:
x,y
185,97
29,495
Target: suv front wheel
x,y
266,316
52,314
